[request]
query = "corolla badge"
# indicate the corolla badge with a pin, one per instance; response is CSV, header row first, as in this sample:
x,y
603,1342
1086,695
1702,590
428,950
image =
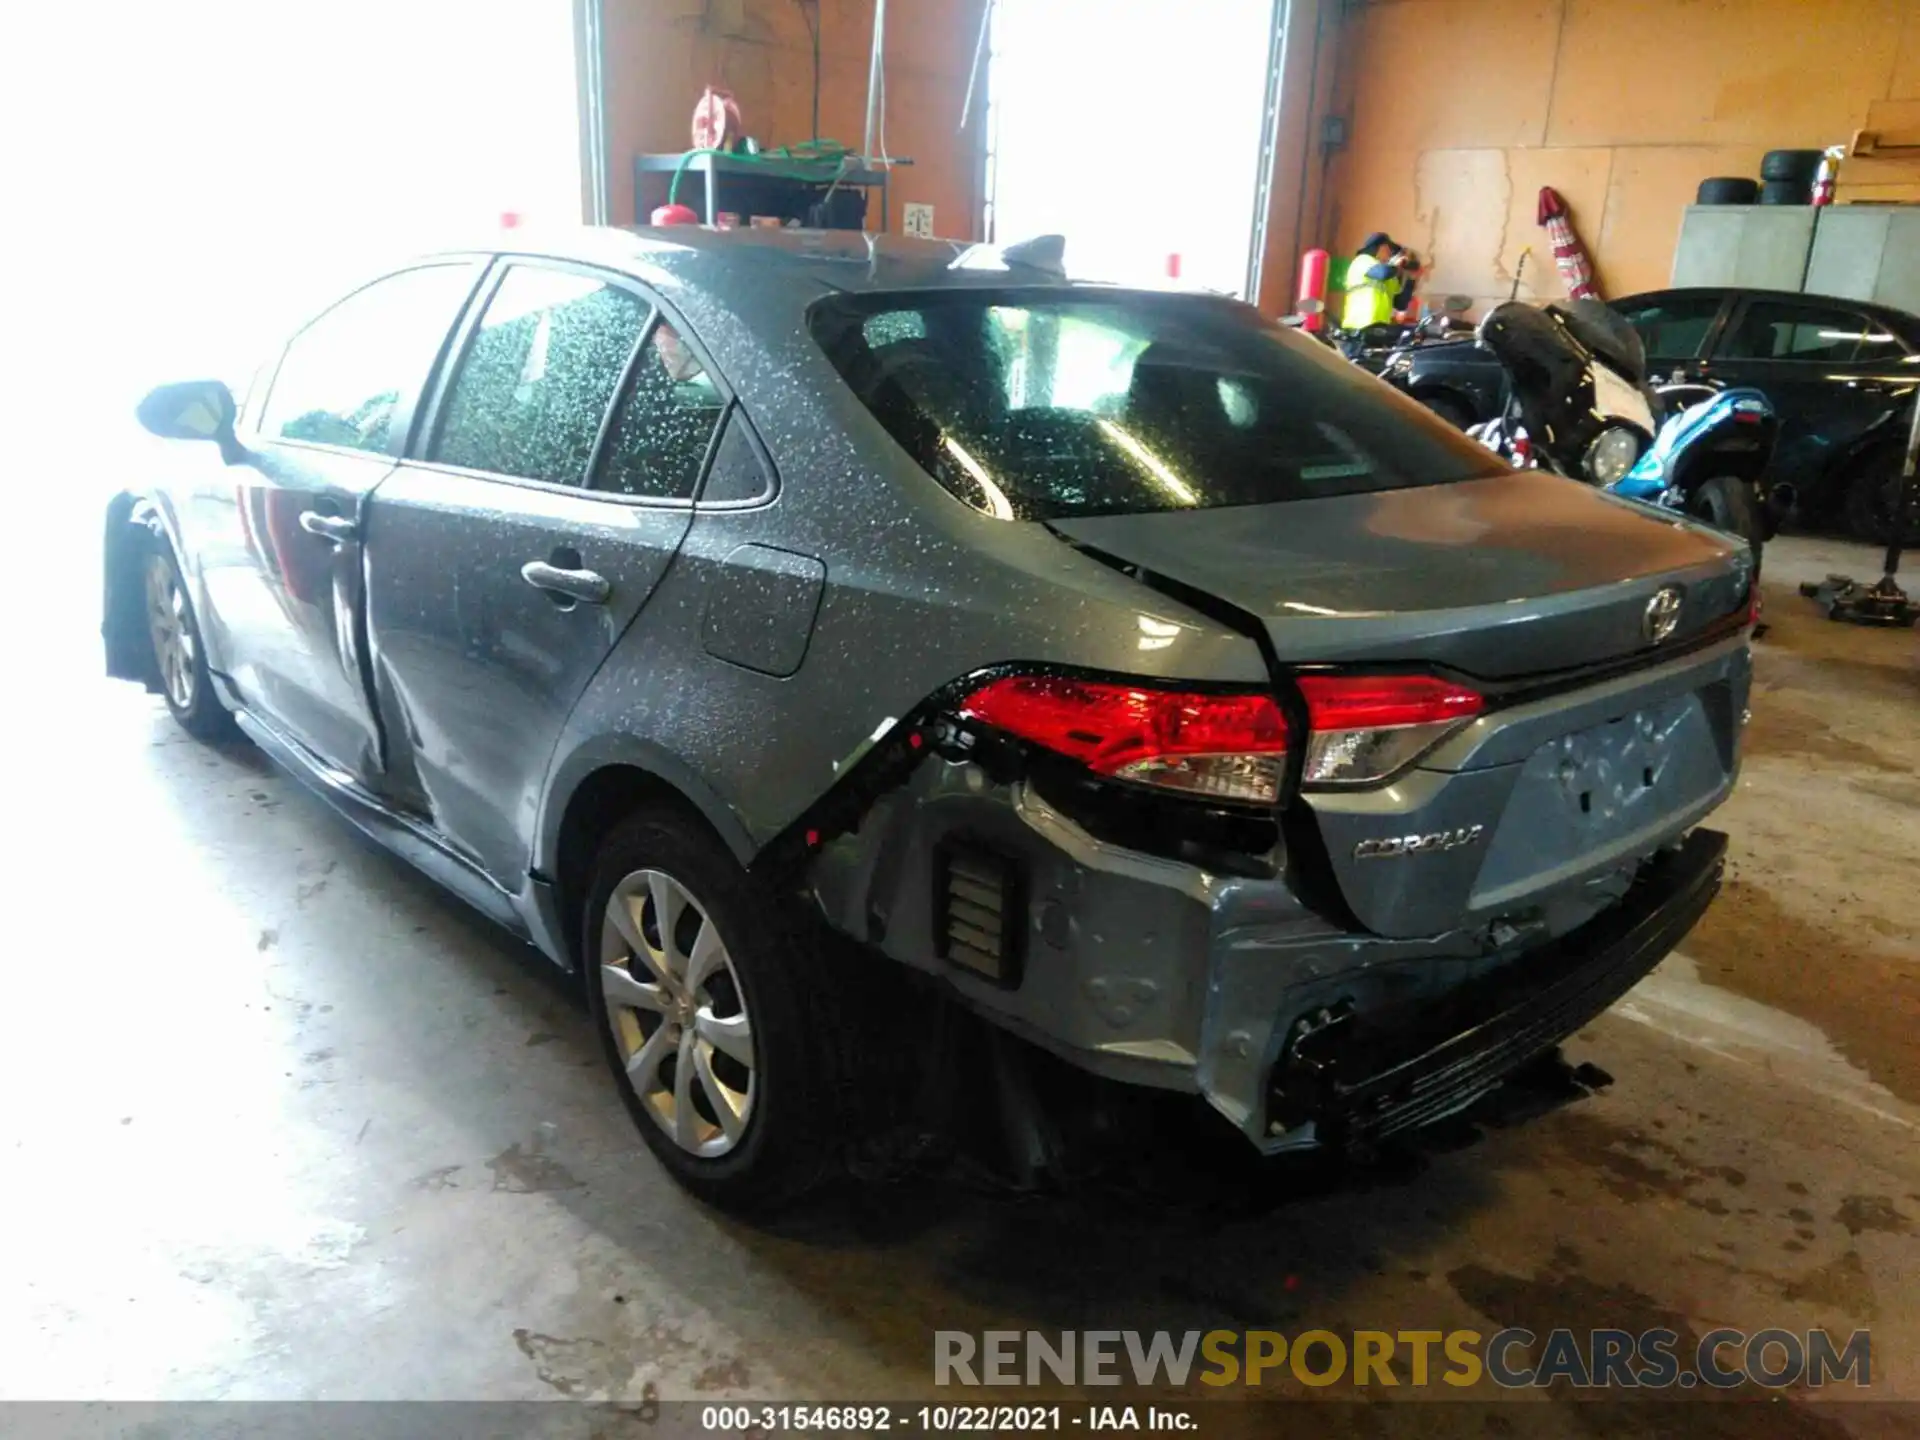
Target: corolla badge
x,y
1663,614
1418,844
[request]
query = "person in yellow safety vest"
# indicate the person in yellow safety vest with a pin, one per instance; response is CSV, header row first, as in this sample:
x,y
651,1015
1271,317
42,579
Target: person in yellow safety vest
x,y
1373,280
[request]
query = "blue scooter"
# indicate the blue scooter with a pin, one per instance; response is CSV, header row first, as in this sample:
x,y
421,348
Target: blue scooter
x,y
1708,460
1579,404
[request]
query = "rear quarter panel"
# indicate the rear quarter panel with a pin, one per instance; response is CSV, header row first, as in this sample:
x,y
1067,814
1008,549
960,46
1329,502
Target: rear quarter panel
x,y
918,590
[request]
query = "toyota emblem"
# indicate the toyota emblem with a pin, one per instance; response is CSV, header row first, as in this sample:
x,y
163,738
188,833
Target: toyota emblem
x,y
1663,614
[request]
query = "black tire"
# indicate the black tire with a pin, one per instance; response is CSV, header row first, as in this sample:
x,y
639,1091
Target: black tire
x,y
790,1142
179,655
1727,190
1797,166
1728,504
1448,409
1872,496
1786,192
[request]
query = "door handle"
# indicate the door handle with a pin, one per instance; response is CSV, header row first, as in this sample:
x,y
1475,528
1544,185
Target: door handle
x,y
586,586
336,528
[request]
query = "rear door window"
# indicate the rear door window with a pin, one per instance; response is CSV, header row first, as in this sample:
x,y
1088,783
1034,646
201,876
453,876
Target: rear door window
x,y
1785,330
1037,405
1673,327
538,374
665,422
1879,346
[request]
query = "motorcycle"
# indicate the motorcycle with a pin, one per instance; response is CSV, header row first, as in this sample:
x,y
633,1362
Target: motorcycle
x,y
1579,404
1374,346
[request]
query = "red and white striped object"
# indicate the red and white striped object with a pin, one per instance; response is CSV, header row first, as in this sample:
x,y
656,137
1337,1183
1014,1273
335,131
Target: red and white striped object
x,y
1569,255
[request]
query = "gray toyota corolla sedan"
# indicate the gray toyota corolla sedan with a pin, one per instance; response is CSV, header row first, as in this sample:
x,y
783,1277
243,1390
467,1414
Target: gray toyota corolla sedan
x,y
1170,693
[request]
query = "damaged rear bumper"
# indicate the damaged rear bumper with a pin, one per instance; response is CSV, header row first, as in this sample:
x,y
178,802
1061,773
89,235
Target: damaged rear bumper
x,y
1353,1079
1300,1032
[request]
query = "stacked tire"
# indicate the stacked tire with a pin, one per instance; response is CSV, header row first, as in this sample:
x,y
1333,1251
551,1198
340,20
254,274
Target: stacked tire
x,y
1727,190
1786,178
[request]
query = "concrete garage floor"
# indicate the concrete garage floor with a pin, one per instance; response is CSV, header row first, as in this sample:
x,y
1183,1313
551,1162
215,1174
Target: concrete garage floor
x,y
285,1122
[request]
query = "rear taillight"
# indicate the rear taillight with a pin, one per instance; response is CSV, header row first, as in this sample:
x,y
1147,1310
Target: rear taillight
x,y
1233,747
1368,727
1224,747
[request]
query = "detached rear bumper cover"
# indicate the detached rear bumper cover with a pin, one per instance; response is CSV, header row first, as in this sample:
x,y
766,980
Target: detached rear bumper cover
x,y
1155,972
1365,1078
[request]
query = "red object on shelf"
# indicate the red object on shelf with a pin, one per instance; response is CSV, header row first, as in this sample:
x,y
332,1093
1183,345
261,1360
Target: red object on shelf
x,y
509,220
1173,267
716,120
674,215
1314,266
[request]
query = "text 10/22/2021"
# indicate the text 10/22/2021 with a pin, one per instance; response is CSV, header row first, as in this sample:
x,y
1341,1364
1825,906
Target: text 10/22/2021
x,y
942,1419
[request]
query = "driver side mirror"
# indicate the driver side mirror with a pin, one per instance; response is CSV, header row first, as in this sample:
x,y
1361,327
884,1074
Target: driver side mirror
x,y
194,410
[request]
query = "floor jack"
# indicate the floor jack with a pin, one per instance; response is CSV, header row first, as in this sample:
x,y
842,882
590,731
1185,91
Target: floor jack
x,y
1883,603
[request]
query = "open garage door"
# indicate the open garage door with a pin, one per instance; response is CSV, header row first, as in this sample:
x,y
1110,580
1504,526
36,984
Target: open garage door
x,y
195,178
229,162
1144,145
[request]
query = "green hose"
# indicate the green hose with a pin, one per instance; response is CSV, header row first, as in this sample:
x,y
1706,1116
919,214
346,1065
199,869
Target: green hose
x,y
828,157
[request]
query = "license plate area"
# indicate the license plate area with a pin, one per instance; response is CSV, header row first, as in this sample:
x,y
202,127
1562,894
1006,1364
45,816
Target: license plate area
x,y
1587,798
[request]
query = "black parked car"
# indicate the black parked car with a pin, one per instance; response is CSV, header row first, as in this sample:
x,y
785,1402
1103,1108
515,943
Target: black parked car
x,y
1841,374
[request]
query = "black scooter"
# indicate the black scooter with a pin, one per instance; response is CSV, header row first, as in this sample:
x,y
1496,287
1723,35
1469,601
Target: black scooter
x,y
1579,404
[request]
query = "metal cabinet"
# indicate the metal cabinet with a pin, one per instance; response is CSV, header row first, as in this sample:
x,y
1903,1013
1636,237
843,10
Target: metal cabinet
x,y
1754,247
1868,252
1856,252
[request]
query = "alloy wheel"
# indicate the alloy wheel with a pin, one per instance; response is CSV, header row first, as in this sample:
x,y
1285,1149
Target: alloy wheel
x,y
172,631
678,1013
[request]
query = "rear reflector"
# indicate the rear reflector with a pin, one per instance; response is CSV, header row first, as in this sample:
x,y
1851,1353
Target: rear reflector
x,y
1224,747
1368,727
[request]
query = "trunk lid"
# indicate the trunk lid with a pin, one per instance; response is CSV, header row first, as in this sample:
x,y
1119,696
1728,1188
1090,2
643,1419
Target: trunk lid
x,y
1513,575
1533,812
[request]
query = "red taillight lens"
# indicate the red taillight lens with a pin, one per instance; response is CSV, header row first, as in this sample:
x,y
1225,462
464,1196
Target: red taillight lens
x,y
1367,702
1227,747
1363,729
1367,727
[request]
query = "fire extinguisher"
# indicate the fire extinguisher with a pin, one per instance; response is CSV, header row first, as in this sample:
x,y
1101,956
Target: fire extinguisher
x,y
1823,179
1313,290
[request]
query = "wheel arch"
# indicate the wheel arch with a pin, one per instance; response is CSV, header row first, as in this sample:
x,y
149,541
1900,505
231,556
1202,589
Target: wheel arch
x,y
597,787
130,521
1847,462
1882,446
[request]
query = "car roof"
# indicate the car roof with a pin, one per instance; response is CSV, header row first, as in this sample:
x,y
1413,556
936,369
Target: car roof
x,y
1907,324
745,294
754,257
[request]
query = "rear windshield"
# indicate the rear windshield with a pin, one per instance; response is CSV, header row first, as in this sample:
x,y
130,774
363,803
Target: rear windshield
x,y
1037,405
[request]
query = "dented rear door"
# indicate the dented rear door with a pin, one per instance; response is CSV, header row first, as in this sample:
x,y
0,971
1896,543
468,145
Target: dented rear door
x,y
554,487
